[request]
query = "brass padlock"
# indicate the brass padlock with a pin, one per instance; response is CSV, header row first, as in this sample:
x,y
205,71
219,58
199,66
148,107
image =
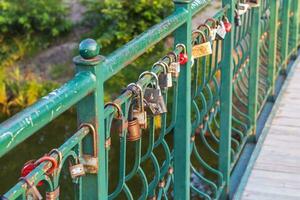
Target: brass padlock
x,y
90,161
119,123
221,32
134,129
138,110
203,49
53,195
154,100
32,193
165,78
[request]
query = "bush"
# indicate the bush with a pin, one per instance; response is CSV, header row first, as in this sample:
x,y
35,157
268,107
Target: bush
x,y
32,16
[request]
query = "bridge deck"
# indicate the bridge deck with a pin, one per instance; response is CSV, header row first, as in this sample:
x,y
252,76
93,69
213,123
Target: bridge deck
x,y
276,170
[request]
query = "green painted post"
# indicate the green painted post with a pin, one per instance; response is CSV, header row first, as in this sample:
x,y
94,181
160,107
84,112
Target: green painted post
x,y
294,27
274,5
91,110
285,34
182,135
226,101
254,67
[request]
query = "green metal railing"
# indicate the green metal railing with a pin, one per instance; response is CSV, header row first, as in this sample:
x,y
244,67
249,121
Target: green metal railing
x,y
213,107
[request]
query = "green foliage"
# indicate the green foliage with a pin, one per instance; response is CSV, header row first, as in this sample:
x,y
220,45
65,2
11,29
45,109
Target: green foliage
x,y
116,22
29,25
19,17
25,27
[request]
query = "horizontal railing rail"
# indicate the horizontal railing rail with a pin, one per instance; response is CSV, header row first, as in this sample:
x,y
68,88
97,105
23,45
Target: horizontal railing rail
x,y
181,128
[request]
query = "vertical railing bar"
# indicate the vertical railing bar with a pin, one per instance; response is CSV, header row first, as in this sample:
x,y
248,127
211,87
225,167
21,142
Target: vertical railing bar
x,y
226,101
294,27
274,5
91,110
254,67
182,135
285,34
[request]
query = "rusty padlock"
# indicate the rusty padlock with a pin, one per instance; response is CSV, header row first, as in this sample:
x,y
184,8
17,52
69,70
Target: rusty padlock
x,y
138,110
153,97
90,161
76,170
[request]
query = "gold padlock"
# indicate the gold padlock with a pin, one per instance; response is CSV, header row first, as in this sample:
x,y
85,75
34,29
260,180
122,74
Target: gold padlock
x,y
203,49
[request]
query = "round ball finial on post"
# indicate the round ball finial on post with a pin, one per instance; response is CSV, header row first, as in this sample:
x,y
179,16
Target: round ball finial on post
x,y
89,49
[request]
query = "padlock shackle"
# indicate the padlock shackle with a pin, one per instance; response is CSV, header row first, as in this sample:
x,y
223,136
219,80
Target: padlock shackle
x,y
153,75
94,135
200,33
163,65
205,27
214,22
48,159
116,106
141,95
181,46
175,56
59,155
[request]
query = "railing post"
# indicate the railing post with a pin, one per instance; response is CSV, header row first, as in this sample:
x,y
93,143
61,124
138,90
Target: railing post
x,y
254,67
226,100
274,5
91,110
182,134
294,27
285,34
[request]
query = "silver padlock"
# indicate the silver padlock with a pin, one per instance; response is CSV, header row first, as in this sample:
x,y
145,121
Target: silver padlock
x,y
165,78
221,31
213,29
154,100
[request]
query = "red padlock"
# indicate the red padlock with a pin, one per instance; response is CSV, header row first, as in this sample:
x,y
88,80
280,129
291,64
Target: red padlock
x,y
227,25
183,58
32,164
29,167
